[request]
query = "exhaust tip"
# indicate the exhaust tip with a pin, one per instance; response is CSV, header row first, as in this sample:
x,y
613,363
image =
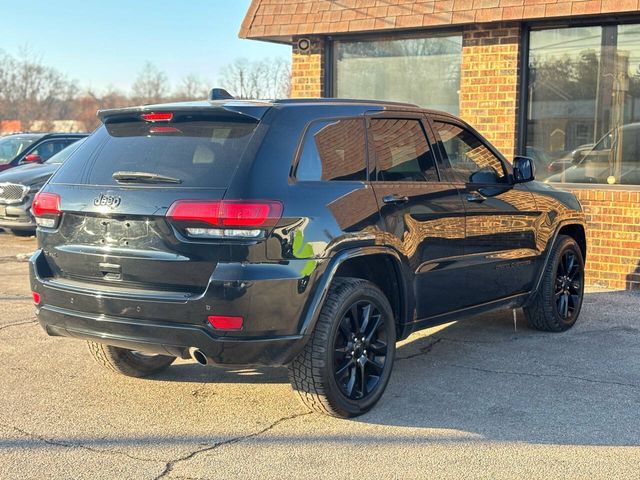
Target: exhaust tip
x,y
198,356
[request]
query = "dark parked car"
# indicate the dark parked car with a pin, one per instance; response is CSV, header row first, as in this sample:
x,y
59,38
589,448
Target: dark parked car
x,y
615,159
308,233
33,147
19,185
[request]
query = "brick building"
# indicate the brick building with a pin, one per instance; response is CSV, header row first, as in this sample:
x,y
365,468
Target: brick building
x,y
555,80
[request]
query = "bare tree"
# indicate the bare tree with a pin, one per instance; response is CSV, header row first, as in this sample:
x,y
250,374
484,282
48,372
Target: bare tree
x,y
90,102
269,78
31,91
192,87
151,85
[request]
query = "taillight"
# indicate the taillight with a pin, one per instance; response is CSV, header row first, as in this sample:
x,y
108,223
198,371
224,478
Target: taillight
x,y
220,322
46,209
36,298
157,116
231,218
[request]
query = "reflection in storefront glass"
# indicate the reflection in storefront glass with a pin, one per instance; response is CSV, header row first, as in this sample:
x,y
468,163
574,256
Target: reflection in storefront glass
x,y
584,104
424,71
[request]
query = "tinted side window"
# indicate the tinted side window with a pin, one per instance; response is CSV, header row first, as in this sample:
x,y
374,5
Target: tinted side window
x,y
402,151
46,150
333,150
470,159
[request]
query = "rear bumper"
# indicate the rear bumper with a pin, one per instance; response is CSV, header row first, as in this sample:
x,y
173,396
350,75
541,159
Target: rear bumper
x,y
169,323
168,339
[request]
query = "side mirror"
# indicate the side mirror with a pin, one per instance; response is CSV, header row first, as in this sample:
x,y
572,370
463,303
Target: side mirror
x,y
523,169
33,158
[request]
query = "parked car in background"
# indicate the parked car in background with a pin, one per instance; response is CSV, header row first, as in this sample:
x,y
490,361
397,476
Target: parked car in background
x,y
541,161
566,161
615,159
18,187
33,147
309,233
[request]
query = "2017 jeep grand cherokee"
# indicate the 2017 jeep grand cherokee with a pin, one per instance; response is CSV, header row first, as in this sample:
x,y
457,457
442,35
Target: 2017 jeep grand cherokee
x,y
308,233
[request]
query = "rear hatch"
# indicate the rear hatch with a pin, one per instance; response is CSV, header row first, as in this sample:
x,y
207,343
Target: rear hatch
x,y
115,192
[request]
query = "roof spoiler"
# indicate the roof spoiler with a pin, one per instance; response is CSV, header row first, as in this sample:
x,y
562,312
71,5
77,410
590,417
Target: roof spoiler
x,y
254,111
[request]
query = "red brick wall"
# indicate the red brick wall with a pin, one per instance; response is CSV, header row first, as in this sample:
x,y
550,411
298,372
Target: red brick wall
x,y
613,237
307,70
489,82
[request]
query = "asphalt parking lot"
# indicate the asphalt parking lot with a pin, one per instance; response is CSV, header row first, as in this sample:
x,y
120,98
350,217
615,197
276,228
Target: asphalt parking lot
x,y
468,400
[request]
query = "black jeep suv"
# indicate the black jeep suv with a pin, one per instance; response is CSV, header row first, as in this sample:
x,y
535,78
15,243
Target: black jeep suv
x,y
308,233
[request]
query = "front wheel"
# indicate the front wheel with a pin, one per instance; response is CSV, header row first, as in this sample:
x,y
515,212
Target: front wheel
x,y
128,362
346,365
557,304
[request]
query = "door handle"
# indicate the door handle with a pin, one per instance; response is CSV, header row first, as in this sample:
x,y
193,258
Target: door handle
x,y
476,197
395,198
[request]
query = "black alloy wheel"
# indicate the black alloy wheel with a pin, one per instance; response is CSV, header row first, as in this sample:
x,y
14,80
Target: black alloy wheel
x,y
360,350
568,287
556,304
346,364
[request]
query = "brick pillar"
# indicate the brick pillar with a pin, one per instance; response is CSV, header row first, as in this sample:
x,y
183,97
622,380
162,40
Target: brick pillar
x,y
307,69
489,82
613,237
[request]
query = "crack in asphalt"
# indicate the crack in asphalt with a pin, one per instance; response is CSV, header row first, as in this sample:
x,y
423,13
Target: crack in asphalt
x,y
172,463
15,324
58,443
15,259
15,297
422,350
543,375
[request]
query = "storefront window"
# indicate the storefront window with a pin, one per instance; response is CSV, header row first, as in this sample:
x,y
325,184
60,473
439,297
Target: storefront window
x,y
584,104
424,71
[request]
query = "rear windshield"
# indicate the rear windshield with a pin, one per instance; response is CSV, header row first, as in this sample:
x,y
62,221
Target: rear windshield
x,y
198,153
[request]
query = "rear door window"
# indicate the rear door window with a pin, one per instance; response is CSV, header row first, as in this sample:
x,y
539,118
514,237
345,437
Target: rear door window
x,y
333,150
49,148
198,153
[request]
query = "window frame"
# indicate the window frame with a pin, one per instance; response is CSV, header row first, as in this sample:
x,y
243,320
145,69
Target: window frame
x,y
450,171
523,92
300,147
372,160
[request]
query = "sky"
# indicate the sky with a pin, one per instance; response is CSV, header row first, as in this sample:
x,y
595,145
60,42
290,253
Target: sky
x,y
106,42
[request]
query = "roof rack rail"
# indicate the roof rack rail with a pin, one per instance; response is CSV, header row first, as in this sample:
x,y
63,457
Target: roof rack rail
x,y
220,94
343,100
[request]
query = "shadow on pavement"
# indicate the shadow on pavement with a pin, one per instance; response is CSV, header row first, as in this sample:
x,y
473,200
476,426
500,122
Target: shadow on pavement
x,y
481,376
474,381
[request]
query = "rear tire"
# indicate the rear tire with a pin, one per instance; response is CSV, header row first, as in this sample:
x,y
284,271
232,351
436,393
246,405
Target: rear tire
x,y
128,362
557,304
346,365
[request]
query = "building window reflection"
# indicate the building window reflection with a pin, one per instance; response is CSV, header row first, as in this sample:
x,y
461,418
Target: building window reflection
x,y
583,121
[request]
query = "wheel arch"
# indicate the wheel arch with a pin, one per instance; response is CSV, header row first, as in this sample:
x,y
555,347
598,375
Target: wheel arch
x,y
577,232
379,265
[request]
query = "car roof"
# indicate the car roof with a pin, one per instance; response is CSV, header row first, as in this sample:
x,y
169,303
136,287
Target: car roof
x,y
24,135
257,108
